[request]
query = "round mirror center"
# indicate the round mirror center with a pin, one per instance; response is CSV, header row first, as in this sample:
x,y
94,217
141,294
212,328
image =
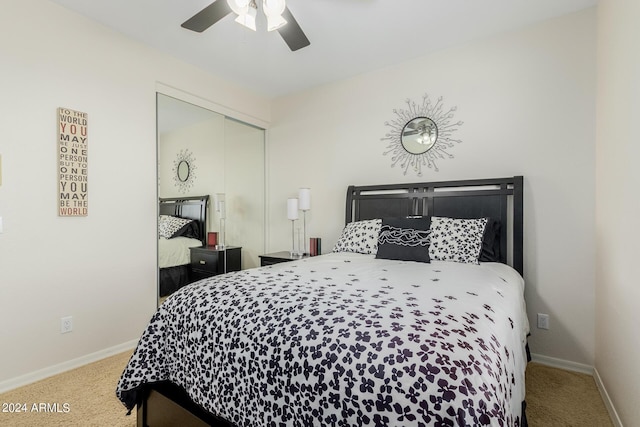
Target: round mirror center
x,y
183,171
419,135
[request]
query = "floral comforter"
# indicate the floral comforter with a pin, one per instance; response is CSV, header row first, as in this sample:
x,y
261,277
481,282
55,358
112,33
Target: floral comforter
x,y
344,340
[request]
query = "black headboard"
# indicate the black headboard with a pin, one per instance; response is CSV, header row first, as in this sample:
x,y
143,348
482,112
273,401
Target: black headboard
x,y
498,198
188,207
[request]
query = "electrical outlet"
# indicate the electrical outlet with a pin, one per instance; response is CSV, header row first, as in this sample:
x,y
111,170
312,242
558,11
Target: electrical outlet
x,y
543,321
66,324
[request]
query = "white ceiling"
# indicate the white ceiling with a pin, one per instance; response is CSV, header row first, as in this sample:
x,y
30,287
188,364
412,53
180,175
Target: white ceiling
x,y
348,37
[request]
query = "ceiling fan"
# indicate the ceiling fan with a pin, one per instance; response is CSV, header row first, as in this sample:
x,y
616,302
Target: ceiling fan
x,y
279,18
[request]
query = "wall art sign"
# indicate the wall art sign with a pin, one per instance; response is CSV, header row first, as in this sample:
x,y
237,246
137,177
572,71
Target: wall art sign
x,y
420,135
72,163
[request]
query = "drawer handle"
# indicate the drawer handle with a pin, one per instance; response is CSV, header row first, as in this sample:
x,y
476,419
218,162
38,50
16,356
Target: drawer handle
x,y
203,262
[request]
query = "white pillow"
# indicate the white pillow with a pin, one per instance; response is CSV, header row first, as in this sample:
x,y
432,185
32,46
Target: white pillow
x,y
360,237
169,225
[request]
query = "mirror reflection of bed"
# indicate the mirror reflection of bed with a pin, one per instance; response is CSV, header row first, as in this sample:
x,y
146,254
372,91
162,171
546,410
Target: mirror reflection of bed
x,y
181,226
226,156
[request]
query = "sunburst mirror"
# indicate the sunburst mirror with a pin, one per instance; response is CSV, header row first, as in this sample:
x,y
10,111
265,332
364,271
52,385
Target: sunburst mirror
x,y
420,135
184,168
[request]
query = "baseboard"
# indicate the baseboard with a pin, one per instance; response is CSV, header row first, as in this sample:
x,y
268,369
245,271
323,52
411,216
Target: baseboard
x,y
615,419
562,364
41,374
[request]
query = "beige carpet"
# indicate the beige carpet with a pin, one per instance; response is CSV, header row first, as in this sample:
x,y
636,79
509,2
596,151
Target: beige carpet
x,y
561,398
89,391
554,398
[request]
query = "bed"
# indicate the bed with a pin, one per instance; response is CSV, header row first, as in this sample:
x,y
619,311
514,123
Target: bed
x,y
365,335
181,225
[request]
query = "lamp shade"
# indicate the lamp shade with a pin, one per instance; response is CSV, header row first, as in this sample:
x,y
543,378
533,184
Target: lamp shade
x,y
304,196
274,9
239,7
292,209
275,22
219,200
246,11
248,19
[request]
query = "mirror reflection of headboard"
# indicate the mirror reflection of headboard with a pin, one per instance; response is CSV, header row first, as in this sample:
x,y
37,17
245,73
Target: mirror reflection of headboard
x,y
190,208
498,198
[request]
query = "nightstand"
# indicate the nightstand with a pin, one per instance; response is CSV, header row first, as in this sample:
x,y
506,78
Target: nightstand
x,y
278,257
207,261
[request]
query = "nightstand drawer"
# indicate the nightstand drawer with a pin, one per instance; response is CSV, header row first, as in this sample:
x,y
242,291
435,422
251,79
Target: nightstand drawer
x,y
205,260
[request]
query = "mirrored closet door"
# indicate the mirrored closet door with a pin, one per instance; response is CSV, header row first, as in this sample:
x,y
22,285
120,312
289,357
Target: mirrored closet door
x,y
204,153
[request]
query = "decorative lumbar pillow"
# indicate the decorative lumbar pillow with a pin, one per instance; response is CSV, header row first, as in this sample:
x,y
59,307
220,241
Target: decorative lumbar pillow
x,y
457,240
360,237
405,239
171,226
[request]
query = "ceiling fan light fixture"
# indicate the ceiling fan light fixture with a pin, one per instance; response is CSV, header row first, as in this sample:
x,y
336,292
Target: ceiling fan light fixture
x,y
239,7
275,22
246,11
276,12
274,9
248,19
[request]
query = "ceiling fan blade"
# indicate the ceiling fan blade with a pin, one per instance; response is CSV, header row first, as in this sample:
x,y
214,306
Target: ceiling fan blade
x,y
292,33
207,16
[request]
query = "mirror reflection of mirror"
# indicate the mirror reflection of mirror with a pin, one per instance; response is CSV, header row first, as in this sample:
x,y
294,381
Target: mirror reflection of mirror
x,y
183,171
419,135
184,168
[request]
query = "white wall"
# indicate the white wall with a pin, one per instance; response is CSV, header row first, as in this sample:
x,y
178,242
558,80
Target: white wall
x,y
100,269
618,206
527,100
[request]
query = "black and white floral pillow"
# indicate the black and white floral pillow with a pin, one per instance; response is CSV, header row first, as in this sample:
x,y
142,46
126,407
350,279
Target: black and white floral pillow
x,y
171,226
360,237
457,240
